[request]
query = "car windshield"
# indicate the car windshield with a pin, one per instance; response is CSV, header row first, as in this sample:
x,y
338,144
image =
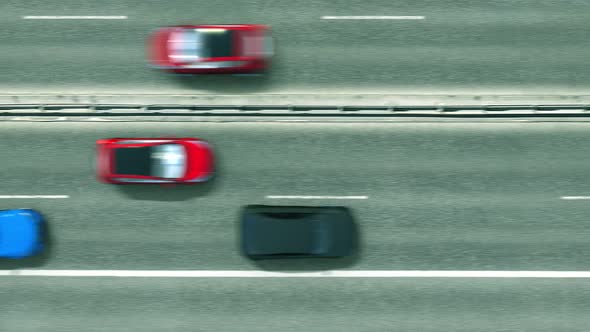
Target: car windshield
x,y
190,45
186,45
164,161
168,161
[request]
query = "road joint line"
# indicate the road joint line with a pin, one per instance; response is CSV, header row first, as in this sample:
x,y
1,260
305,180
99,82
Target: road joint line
x,y
314,197
390,274
59,17
378,17
34,196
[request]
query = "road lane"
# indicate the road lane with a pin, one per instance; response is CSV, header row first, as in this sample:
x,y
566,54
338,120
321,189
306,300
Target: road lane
x,y
36,304
441,196
480,47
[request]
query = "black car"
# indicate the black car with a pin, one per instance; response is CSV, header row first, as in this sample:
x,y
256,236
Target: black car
x,y
297,231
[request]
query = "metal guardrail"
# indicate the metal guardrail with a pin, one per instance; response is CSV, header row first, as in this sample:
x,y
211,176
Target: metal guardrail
x,y
297,110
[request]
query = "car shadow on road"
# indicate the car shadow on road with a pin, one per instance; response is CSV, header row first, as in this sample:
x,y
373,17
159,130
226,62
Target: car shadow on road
x,y
314,264
307,264
168,193
224,83
34,261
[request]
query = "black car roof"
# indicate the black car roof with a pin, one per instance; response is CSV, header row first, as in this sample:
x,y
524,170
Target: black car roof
x,y
219,44
133,161
297,231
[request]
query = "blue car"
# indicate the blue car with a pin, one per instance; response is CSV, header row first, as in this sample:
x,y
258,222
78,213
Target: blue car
x,y
20,233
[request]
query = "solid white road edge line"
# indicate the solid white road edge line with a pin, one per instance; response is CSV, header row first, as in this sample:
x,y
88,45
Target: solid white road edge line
x,y
373,17
34,196
74,17
574,197
314,197
267,274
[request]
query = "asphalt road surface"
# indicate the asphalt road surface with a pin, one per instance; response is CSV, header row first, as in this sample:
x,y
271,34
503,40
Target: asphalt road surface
x,y
507,46
440,196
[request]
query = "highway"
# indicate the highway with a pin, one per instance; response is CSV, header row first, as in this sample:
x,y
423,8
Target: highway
x,y
526,46
440,196
436,195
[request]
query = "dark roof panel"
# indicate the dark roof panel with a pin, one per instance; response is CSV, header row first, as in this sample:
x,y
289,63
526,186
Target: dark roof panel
x,y
290,231
219,44
133,161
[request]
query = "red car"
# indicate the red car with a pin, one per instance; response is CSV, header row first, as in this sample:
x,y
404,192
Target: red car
x,y
210,49
154,160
